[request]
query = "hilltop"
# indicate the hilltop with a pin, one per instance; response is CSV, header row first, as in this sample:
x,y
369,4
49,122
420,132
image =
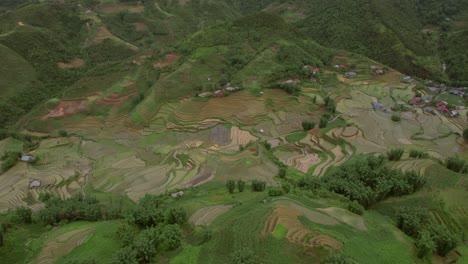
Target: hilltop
x,y
233,131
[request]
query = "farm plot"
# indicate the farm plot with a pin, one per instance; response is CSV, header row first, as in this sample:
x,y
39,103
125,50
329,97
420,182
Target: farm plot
x,y
346,217
205,216
296,232
299,157
239,138
63,244
245,165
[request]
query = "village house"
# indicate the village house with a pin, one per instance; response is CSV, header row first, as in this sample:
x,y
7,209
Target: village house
x,y
378,72
340,66
427,100
377,106
406,79
34,184
433,89
415,101
454,113
350,74
177,194
400,103
441,104
443,109
316,70
429,110
28,158
219,93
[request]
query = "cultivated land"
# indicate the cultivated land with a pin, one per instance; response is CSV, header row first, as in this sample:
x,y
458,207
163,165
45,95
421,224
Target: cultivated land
x,y
138,118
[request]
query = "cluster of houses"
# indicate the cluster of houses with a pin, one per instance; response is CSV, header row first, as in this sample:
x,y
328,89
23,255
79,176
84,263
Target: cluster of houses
x,y
228,88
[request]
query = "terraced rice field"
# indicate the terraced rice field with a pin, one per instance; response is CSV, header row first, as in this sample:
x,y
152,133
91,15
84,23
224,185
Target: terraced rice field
x,y
205,216
296,232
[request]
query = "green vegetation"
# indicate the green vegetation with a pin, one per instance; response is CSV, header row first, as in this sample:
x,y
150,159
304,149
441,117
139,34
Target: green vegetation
x,y
457,164
395,154
308,125
417,154
396,118
141,158
366,180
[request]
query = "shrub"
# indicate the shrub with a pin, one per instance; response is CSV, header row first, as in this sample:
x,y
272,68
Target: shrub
x,y
230,185
323,121
444,240
308,125
240,185
63,133
282,172
258,186
291,88
396,118
24,214
425,245
465,133
274,191
456,164
286,187
267,145
395,154
176,215
418,154
356,208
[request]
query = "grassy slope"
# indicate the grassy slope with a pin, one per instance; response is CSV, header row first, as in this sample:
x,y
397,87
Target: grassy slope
x,y
16,72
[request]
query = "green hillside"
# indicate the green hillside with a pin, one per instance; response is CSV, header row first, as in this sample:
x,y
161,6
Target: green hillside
x,y
243,131
16,72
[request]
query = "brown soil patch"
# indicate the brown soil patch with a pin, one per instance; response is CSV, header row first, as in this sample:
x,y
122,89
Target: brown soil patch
x,y
296,232
203,176
140,26
67,108
75,63
170,58
207,215
220,135
108,8
63,244
115,99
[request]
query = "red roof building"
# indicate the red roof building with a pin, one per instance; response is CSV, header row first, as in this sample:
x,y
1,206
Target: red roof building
x,y
441,104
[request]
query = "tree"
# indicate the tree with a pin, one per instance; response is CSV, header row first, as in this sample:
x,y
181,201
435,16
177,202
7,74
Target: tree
x,y
444,240
286,187
24,214
170,237
465,134
63,133
356,208
308,125
337,258
240,185
282,172
1,238
323,121
424,244
126,255
395,154
258,186
230,185
176,215
274,191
